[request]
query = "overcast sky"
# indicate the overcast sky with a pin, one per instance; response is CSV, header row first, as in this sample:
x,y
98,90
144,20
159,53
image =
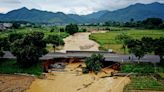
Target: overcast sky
x,y
70,6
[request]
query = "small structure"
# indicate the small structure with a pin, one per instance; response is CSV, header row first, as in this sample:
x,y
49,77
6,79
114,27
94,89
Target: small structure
x,y
4,26
58,65
110,50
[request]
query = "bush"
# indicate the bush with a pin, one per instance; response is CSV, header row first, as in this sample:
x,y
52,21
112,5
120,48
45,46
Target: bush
x,y
4,45
14,36
9,66
52,30
143,68
85,70
94,63
71,28
83,30
55,40
62,30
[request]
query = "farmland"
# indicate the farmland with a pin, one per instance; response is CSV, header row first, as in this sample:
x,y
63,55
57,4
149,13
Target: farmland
x,y
46,30
107,40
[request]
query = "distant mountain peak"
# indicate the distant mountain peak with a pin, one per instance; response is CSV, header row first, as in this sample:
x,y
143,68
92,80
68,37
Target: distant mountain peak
x,y
156,3
24,8
137,11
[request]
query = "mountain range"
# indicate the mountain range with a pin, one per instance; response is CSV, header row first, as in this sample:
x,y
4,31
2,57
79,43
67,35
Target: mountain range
x,y
137,12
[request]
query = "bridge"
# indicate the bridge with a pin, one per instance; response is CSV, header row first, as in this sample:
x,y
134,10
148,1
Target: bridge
x,y
84,54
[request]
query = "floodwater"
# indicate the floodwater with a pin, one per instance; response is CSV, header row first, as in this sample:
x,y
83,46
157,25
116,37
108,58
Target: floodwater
x,y
80,41
72,80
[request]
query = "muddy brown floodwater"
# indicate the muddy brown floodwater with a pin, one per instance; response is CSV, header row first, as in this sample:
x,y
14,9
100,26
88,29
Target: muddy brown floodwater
x,y
72,80
80,41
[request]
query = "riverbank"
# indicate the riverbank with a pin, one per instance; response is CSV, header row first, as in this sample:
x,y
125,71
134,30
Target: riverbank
x,y
72,80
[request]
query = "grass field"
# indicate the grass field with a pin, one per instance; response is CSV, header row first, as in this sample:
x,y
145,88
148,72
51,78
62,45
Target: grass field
x,y
45,30
107,40
9,66
144,83
141,68
146,77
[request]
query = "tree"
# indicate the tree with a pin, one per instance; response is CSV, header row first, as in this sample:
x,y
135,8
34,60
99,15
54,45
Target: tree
x,y
159,48
123,38
16,25
3,45
136,47
55,40
52,30
71,28
152,23
29,49
94,63
14,36
131,20
62,30
148,44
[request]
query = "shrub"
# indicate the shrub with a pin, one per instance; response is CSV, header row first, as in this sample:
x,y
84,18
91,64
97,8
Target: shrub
x,y
55,40
94,63
85,70
62,30
71,28
143,68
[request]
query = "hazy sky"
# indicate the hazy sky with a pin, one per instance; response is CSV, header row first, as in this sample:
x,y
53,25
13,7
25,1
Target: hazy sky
x,y
70,6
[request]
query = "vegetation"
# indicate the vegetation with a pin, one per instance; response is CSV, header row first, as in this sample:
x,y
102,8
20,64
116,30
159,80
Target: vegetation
x,y
108,41
3,45
149,23
45,30
146,45
14,36
71,28
93,63
82,30
144,83
10,66
29,49
55,40
161,75
123,39
159,48
141,68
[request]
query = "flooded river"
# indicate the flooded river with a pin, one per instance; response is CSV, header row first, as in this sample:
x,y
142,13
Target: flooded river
x,y
72,80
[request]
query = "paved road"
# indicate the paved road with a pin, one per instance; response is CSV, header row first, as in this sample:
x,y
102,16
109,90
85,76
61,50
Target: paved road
x,y
83,54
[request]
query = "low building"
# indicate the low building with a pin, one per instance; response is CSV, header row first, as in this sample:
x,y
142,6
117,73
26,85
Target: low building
x,y
4,26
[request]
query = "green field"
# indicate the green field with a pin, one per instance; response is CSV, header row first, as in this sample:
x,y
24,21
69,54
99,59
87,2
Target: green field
x,y
107,40
141,68
9,66
45,30
144,83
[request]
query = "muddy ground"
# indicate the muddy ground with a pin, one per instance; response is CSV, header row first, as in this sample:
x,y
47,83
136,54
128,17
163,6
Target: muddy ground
x,y
71,79
14,83
80,41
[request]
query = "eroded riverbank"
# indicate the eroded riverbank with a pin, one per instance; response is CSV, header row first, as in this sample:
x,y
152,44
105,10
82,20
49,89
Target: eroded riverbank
x,y
72,80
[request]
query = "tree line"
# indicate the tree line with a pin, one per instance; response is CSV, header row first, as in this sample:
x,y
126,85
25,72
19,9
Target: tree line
x,y
149,23
29,47
143,46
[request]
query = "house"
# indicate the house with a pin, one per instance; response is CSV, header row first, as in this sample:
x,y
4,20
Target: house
x,y
4,26
1,26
